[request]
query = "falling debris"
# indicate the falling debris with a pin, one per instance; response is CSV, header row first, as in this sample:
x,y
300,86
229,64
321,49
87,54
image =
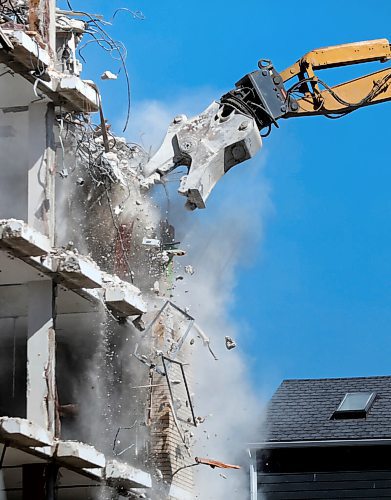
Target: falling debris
x,y
156,287
189,269
215,464
176,252
205,340
139,323
229,343
108,75
151,242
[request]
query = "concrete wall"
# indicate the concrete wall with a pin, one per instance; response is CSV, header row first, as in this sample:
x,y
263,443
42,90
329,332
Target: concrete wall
x,y
18,150
13,169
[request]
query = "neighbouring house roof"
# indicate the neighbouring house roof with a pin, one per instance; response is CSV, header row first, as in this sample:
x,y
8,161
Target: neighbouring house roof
x,y
301,410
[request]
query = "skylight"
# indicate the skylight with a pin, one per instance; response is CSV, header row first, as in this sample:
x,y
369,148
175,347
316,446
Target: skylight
x,y
354,405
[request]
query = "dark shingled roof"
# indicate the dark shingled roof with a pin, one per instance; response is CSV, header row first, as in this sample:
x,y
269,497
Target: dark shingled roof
x,y
300,410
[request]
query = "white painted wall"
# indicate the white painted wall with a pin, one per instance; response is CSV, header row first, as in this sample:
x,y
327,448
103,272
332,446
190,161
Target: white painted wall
x,y
15,151
13,164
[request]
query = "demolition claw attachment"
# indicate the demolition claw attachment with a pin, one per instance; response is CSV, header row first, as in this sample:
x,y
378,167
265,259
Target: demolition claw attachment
x,y
209,145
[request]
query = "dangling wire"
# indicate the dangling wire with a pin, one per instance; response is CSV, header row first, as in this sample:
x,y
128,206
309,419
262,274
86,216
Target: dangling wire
x,y
377,88
105,41
137,14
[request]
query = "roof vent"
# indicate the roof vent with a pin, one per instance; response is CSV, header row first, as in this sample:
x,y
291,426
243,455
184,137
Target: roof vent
x,y
354,405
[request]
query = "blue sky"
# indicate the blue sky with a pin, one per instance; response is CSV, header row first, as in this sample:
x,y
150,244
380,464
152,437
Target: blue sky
x,y
315,296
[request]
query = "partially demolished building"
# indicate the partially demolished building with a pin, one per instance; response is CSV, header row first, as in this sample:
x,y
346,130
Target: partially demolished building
x,y
95,392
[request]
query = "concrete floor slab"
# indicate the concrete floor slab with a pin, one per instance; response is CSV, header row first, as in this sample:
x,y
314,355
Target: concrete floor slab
x,y
125,299
14,271
23,240
21,432
80,93
26,50
79,272
79,455
119,474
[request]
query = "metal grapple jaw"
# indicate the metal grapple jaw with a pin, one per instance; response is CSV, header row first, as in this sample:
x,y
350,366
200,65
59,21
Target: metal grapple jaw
x,y
209,145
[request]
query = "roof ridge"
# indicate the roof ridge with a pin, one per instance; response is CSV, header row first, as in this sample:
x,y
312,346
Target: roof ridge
x,y
372,377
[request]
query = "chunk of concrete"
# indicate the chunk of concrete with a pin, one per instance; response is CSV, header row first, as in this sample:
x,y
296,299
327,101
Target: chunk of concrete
x,y
125,299
94,474
22,432
5,41
26,50
119,474
79,455
23,239
79,272
79,93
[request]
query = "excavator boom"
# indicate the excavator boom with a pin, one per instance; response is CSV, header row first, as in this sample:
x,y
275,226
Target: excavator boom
x,y
229,131
318,98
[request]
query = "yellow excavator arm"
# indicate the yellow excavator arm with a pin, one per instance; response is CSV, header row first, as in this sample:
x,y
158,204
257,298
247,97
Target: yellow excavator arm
x,y
265,95
228,131
317,98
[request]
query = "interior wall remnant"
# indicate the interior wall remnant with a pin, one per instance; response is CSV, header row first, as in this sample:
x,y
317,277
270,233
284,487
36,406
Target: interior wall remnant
x,y
41,392
13,145
28,154
42,20
41,176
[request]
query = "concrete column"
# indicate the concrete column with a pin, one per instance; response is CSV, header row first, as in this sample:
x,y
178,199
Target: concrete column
x,y
41,168
41,393
52,28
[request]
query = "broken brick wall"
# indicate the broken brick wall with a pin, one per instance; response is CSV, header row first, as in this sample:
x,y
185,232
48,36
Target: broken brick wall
x,y
171,449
